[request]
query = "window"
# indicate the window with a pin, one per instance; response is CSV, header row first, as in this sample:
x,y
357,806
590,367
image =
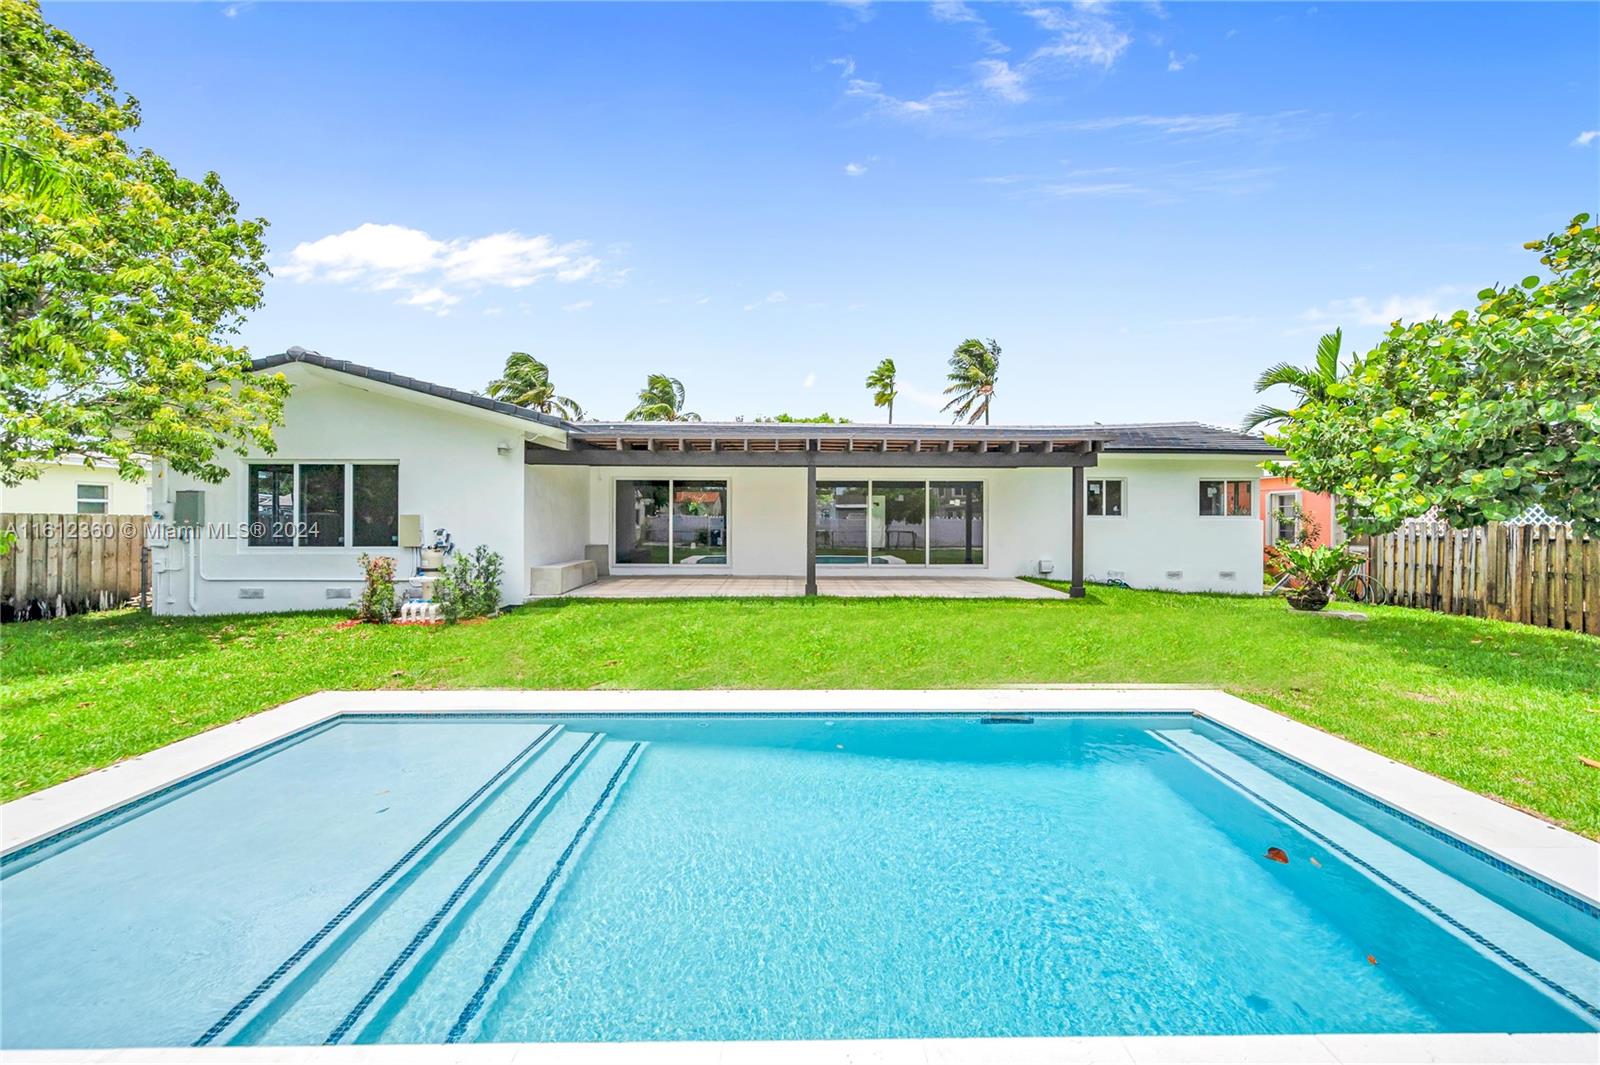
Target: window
x,y
700,523
321,505
672,522
1283,517
841,522
93,498
272,506
955,523
375,506
896,523
324,504
1103,498
900,521
1226,498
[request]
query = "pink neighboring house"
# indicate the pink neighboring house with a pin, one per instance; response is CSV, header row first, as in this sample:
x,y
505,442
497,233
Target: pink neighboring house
x,y
1279,498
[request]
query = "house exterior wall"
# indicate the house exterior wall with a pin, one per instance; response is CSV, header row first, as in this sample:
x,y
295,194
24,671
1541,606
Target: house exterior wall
x,y
557,528
451,473
55,491
1027,517
1161,530
1318,506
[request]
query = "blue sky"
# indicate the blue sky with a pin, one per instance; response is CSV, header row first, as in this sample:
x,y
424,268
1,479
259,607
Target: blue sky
x,y
1143,203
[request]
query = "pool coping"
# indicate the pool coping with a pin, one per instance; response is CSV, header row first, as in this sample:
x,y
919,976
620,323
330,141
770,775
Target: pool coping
x,y
1548,852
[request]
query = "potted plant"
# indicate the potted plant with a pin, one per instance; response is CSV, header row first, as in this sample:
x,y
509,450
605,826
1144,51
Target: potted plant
x,y
1313,572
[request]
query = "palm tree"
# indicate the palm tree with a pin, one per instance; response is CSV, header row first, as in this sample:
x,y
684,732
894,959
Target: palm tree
x,y
526,382
661,400
974,366
1308,384
884,389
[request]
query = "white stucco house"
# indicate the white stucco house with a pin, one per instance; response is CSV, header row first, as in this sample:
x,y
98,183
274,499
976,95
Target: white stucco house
x,y
369,461
73,486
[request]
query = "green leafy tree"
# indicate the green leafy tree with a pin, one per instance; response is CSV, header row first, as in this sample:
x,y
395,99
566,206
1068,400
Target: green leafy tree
x,y
525,381
884,387
121,281
974,368
661,400
1479,415
1307,383
816,419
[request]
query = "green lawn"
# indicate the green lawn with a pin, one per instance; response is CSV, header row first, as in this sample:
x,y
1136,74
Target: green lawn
x,y
1506,710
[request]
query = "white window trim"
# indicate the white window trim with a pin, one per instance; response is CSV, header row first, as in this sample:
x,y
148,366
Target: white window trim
x,y
669,566
927,523
1255,497
1106,517
349,547
1270,514
78,501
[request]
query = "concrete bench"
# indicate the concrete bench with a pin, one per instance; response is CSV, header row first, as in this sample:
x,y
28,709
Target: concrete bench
x,y
560,577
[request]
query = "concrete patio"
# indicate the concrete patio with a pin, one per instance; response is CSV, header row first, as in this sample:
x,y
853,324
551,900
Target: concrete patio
x,y
674,587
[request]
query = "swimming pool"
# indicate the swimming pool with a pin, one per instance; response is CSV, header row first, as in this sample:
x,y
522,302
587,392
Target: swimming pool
x,y
537,877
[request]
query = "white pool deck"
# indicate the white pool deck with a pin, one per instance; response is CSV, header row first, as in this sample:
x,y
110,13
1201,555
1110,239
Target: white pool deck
x,y
1543,850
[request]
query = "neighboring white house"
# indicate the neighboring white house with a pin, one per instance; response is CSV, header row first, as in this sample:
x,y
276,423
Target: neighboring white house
x,y
71,486
366,459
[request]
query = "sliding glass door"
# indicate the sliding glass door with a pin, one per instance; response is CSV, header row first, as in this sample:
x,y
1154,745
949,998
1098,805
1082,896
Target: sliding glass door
x,y
663,523
900,523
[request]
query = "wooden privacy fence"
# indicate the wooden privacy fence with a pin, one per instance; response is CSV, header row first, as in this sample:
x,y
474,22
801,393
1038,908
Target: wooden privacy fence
x,y
1535,574
72,563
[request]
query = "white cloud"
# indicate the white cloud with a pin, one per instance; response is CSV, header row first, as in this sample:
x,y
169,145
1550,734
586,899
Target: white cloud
x,y
934,102
383,257
855,169
811,379
1362,310
846,65
1176,62
581,305
774,296
1225,122
493,312
1002,79
435,299
703,300
955,11
1083,36
1586,138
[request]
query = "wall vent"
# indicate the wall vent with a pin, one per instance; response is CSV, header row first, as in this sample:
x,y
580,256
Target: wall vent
x,y
1228,575
252,593
1116,574
1174,574
336,593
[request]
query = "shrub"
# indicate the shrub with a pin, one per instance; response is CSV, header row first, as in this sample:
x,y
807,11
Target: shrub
x,y
1314,572
377,604
471,585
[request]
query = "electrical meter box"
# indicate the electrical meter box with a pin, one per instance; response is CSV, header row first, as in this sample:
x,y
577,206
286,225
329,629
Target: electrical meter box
x,y
189,509
410,530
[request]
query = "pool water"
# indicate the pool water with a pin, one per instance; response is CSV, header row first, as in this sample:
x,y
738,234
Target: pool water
x,y
522,878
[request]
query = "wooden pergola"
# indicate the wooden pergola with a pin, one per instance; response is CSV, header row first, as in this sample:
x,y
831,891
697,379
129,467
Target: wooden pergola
x,y
679,444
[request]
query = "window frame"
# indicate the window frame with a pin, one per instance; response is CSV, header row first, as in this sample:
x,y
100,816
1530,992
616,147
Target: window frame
x,y
348,544
1227,483
927,483
1087,513
671,564
104,501
1270,516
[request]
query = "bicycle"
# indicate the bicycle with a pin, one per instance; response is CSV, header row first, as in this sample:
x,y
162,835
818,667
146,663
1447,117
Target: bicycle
x,y
1359,586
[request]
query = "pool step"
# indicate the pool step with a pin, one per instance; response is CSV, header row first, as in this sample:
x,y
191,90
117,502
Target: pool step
x,y
1564,973
357,966
445,995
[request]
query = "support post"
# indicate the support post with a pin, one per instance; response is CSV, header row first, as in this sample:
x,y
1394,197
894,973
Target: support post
x,y
1076,591
811,526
